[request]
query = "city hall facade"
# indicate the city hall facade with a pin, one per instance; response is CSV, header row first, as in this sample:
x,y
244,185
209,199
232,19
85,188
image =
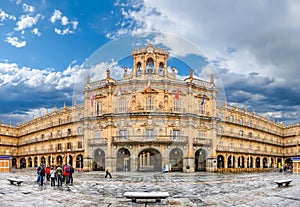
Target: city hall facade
x,y
151,121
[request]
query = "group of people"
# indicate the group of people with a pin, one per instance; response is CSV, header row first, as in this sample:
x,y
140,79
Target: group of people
x,y
55,174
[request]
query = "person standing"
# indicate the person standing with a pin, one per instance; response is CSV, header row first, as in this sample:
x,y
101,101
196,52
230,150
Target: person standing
x,y
107,171
59,173
42,174
71,175
39,168
67,171
52,176
47,170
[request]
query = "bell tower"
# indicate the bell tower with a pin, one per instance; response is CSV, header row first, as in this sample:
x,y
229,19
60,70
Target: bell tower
x,y
149,61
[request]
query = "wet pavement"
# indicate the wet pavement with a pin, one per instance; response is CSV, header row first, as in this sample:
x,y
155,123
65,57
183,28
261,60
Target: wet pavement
x,y
185,189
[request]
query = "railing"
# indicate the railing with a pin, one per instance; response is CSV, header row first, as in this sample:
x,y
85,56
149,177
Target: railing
x,y
245,150
48,137
149,139
253,138
50,150
97,142
202,142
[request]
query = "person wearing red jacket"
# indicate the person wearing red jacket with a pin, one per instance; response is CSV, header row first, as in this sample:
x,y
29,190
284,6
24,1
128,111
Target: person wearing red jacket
x,y
67,171
47,171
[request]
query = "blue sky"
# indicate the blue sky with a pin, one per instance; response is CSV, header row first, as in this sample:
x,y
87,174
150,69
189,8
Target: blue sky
x,y
254,47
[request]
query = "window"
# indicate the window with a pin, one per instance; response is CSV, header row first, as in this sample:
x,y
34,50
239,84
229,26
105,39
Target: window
x,y
220,130
176,105
122,105
123,134
231,119
149,134
202,135
80,131
241,133
250,135
79,144
201,108
69,145
58,133
241,121
176,134
99,108
69,119
139,70
43,136
59,146
149,103
69,132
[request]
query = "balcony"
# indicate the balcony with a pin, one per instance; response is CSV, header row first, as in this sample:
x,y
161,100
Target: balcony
x,y
136,140
202,142
97,142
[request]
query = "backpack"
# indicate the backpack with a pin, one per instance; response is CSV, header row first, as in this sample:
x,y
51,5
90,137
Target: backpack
x,y
42,172
68,170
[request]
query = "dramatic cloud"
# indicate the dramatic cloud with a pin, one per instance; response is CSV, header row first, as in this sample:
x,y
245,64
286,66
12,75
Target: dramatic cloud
x,y
242,37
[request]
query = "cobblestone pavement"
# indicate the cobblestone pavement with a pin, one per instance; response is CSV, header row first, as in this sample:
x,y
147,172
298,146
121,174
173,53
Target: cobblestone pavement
x,y
185,189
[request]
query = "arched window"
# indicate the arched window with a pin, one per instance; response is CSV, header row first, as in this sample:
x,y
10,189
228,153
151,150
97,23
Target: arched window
x,y
150,66
138,69
161,69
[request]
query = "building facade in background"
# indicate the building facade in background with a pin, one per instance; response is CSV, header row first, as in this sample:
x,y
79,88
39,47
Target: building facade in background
x,y
151,121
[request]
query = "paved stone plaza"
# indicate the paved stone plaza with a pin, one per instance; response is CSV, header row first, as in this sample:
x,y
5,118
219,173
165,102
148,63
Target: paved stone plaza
x,y
192,189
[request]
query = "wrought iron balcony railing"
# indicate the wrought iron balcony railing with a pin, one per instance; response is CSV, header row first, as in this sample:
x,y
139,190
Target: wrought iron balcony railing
x,y
149,139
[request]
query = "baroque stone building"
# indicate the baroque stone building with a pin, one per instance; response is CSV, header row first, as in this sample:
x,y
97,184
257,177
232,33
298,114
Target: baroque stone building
x,y
151,121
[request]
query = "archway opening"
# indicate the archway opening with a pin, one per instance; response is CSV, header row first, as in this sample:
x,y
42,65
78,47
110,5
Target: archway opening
x,y
59,160
79,161
200,160
99,160
30,162
230,161
220,161
14,162
23,163
123,160
257,162
249,162
265,163
176,159
149,160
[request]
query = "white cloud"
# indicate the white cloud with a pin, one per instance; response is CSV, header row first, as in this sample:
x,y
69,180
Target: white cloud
x,y
28,8
36,32
27,21
57,15
15,42
4,16
64,20
65,23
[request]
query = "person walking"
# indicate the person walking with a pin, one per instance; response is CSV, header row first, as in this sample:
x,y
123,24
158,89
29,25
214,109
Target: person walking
x,y
107,171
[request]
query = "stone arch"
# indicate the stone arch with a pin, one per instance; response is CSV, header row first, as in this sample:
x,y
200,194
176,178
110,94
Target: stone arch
x,y
14,162
30,162
150,159
230,161
123,159
79,161
59,160
176,159
265,162
200,160
220,161
22,163
257,162
43,160
99,160
36,161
